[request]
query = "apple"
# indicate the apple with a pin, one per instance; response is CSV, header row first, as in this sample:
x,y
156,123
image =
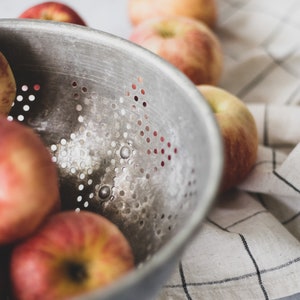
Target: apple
x,y
28,181
72,253
186,43
54,11
7,86
239,133
203,10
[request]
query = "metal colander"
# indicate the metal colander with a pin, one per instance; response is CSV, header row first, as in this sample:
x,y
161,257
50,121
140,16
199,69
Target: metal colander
x,y
132,138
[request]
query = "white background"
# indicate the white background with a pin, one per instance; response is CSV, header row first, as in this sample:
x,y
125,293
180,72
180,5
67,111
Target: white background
x,y
107,15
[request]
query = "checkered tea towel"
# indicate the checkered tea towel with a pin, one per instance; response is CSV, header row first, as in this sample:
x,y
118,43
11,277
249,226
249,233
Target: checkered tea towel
x,y
249,245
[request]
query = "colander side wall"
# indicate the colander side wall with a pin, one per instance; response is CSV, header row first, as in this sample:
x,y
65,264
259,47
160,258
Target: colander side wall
x,y
132,138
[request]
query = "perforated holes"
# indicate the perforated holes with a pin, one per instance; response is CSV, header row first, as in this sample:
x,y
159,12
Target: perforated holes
x,y
190,187
127,210
79,107
31,98
53,147
27,94
24,88
125,152
26,107
36,87
63,142
76,93
164,149
138,93
19,98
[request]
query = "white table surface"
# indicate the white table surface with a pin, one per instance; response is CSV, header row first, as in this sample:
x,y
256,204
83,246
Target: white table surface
x,y
107,15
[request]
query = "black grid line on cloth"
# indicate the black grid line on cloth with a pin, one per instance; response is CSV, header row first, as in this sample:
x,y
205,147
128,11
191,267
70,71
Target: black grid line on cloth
x,y
290,99
291,219
274,162
274,159
258,272
184,285
264,162
265,72
281,61
286,181
236,6
264,211
236,278
265,135
275,61
282,21
257,79
256,267
235,3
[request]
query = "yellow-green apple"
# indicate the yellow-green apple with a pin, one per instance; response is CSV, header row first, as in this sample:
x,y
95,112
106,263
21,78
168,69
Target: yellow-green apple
x,y
53,11
28,181
203,10
72,253
7,86
239,133
186,43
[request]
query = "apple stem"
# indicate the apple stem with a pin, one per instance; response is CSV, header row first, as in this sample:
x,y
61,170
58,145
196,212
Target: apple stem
x,y
166,32
76,271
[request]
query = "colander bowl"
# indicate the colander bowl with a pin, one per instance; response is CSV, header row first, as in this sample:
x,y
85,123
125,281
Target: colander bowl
x,y
132,138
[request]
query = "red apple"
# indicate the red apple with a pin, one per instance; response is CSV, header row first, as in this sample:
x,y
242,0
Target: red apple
x,y
239,133
203,10
186,43
28,181
72,253
54,11
7,86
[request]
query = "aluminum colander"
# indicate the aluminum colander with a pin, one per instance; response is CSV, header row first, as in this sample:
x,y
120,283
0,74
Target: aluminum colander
x,y
132,138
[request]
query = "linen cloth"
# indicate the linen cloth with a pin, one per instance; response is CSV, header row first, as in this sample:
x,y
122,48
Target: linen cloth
x,y
249,246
